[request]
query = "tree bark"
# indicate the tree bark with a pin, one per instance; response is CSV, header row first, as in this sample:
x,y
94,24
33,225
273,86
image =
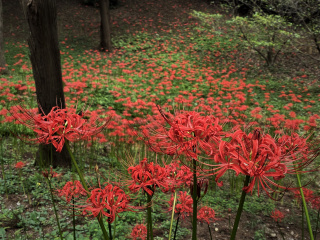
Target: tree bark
x,y
46,66
3,68
105,29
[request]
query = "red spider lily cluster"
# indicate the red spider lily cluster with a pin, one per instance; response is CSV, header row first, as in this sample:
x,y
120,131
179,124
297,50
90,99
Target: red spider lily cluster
x,y
19,165
72,190
309,196
184,204
107,201
184,209
178,175
148,176
206,214
139,232
315,202
50,174
190,133
57,126
277,215
256,154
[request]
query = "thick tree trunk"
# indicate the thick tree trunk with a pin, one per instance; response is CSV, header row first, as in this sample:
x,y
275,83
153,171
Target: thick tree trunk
x,y
46,66
3,68
105,29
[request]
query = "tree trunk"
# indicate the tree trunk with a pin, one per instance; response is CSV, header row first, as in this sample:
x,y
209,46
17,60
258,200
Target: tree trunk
x,y
3,68
105,29
46,66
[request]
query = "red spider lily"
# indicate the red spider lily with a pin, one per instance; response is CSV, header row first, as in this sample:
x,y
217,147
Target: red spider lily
x,y
206,214
254,155
277,215
148,176
315,203
184,204
307,193
50,174
224,161
139,232
19,165
72,189
202,185
296,153
57,126
178,175
108,201
190,133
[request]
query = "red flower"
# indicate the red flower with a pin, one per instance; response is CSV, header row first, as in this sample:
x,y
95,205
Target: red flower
x,y
183,204
179,175
277,215
107,201
254,155
139,232
19,165
148,176
295,152
50,174
206,214
315,203
56,127
72,189
307,193
190,133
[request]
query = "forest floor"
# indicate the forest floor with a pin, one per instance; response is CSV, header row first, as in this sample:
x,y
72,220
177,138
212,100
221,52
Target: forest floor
x,y
78,26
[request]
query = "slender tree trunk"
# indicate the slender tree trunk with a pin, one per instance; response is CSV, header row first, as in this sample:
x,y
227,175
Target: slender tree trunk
x,y
105,29
3,68
46,66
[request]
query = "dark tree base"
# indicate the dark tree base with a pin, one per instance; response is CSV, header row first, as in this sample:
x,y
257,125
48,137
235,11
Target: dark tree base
x,y
48,156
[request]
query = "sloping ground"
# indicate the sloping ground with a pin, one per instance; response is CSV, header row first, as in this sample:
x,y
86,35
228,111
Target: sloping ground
x,y
152,57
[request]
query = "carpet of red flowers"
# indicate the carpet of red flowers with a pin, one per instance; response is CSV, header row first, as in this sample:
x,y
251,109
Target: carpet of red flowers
x,y
151,64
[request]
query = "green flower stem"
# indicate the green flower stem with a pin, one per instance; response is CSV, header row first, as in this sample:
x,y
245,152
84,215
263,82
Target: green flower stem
x,y
305,207
110,230
149,219
54,208
195,202
210,231
315,233
24,192
172,214
73,220
84,184
302,222
240,208
114,226
176,229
